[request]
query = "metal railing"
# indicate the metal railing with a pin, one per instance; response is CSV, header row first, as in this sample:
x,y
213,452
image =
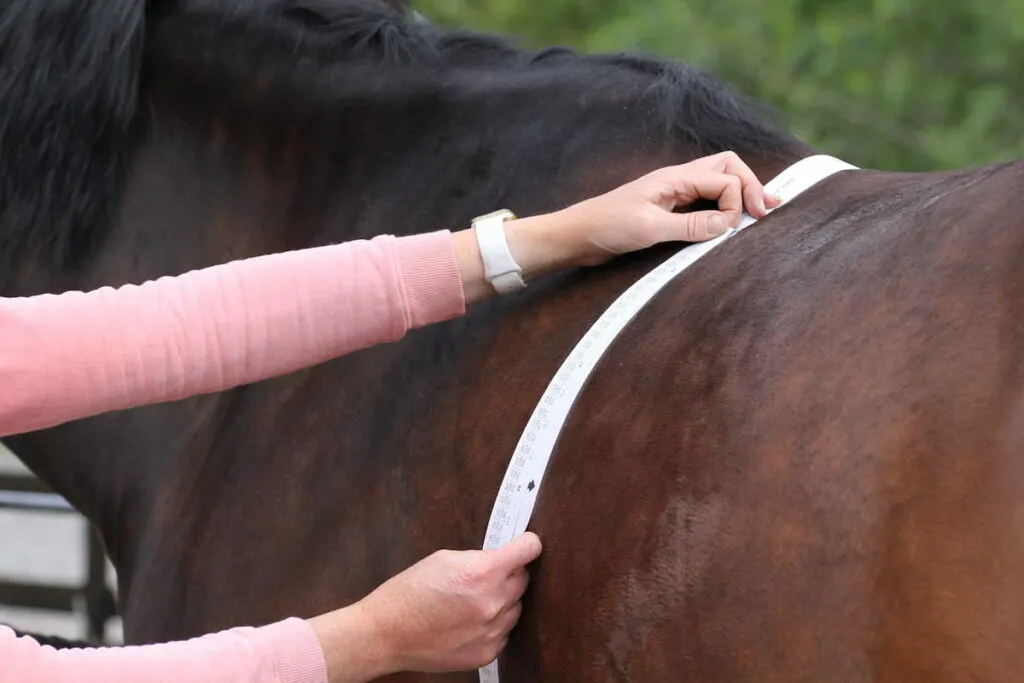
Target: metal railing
x,y
27,494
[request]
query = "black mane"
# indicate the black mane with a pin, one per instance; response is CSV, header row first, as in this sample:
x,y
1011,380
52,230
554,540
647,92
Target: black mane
x,y
72,73
693,103
68,90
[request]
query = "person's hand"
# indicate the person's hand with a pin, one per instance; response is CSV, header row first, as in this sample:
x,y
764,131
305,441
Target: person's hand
x,y
634,216
640,214
452,611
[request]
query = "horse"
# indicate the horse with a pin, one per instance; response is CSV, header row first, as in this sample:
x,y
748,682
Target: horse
x,y
799,462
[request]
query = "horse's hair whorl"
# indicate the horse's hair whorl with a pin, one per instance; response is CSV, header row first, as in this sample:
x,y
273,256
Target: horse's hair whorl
x,y
374,28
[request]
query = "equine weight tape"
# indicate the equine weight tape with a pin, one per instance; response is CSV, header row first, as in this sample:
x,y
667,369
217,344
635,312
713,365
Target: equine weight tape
x,y
518,493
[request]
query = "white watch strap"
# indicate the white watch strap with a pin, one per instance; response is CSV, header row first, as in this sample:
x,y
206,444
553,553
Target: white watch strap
x,y
500,269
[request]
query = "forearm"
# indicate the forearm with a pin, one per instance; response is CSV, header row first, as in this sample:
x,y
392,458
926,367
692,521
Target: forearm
x,y
286,652
536,243
68,356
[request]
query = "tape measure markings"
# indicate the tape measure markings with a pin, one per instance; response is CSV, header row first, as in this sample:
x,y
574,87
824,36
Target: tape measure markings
x,y
517,494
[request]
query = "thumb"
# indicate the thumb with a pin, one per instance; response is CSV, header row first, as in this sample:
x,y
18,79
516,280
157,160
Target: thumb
x,y
518,552
696,226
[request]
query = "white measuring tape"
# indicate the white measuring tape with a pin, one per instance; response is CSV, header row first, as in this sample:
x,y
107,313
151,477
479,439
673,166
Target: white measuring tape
x,y
518,493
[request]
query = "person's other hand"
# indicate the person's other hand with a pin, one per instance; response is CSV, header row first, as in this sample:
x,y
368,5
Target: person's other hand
x,y
452,611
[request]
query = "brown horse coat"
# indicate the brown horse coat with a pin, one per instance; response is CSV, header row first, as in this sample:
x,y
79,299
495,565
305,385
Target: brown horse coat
x,y
800,463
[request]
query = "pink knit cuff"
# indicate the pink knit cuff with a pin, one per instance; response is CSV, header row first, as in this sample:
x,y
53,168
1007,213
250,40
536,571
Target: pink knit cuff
x,y
298,657
430,279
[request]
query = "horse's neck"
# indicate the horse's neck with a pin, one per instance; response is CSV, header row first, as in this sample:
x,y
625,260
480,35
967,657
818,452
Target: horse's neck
x,y
205,192
180,210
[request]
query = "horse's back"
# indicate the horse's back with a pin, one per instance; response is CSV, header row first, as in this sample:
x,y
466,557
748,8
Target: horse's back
x,y
801,461
796,464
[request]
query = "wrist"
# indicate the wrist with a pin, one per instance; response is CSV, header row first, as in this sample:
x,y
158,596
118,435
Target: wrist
x,y
355,650
540,244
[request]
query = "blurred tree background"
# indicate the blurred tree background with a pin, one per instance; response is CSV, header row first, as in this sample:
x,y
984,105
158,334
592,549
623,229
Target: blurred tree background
x,y
894,84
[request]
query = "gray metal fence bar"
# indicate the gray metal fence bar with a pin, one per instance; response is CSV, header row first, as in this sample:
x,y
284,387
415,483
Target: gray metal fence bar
x,y
27,493
34,502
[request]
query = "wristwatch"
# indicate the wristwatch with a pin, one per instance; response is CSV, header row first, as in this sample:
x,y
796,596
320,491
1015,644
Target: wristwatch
x,y
500,269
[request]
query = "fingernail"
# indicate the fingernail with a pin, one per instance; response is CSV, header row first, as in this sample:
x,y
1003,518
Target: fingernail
x,y
716,224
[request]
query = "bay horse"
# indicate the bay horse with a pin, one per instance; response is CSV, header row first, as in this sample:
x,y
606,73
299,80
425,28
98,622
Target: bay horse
x,y
800,463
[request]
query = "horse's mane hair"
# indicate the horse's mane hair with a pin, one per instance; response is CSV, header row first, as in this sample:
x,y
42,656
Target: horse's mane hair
x,y
71,74
692,103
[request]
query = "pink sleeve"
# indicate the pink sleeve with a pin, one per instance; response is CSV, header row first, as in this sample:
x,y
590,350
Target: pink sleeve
x,y
285,652
68,356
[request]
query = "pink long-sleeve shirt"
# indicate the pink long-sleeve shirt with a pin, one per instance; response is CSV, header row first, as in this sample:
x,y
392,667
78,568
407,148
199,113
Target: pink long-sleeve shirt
x,y
72,355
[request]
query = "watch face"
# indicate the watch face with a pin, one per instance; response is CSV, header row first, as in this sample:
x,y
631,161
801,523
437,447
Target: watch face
x,y
503,213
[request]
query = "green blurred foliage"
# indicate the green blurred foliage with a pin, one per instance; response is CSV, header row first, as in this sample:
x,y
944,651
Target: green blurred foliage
x,y
893,84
